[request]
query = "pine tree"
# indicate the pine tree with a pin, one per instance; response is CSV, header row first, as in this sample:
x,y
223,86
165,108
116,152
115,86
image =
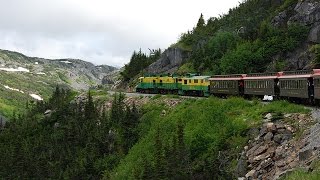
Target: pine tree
x,y
90,112
183,170
159,158
201,22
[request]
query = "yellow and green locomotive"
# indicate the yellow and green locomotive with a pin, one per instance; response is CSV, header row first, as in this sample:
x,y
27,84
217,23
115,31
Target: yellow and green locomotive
x,y
191,84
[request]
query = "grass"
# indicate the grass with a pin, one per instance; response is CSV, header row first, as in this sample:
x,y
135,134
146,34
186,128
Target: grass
x,y
63,77
210,125
156,96
301,174
99,92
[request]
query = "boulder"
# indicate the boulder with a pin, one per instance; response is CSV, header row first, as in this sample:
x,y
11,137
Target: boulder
x,y
261,150
271,127
250,173
263,131
268,136
261,157
268,116
278,138
253,149
266,163
280,126
280,163
287,115
242,166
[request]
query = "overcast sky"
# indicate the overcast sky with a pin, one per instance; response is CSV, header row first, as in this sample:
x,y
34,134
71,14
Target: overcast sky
x,y
99,31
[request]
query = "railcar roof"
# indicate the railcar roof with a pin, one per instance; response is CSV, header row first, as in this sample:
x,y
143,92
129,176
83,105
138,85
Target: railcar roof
x,y
225,79
196,77
296,76
260,77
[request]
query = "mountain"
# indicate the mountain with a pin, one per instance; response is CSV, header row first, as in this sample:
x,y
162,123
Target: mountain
x,y
256,36
24,78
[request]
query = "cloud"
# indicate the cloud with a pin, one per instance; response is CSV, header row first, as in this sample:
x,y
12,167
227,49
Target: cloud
x,y
99,31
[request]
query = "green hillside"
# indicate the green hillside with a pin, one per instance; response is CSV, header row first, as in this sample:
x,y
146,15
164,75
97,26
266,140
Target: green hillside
x,y
198,138
250,38
244,40
185,143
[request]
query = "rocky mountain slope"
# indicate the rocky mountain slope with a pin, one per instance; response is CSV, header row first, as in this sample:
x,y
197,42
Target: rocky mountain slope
x,y
24,78
169,61
307,13
77,73
206,46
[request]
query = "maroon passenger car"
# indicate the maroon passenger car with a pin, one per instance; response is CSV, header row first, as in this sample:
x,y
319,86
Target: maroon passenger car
x,y
260,84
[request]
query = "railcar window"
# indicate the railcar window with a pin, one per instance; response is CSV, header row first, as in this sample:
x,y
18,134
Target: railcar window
x,y
216,84
286,84
196,81
300,86
316,82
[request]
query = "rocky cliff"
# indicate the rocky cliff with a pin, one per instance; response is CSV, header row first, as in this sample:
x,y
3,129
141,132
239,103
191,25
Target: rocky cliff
x,y
169,62
307,13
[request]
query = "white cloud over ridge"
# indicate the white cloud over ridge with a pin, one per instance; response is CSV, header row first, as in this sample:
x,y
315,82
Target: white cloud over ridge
x,y
99,31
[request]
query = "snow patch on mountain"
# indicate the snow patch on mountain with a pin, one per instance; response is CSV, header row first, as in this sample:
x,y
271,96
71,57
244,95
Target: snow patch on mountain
x,y
19,69
37,97
67,62
13,89
34,96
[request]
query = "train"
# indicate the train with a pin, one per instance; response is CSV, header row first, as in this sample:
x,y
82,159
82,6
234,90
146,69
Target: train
x,y
298,86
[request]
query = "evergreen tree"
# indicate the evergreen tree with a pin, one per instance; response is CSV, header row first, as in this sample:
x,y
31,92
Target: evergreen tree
x,y
159,157
201,23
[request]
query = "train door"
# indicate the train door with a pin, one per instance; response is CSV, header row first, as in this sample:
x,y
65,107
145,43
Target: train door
x,y
241,87
276,87
310,88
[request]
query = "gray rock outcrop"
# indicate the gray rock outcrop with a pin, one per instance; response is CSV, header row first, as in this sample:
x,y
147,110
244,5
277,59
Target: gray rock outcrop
x,y
274,151
306,13
169,61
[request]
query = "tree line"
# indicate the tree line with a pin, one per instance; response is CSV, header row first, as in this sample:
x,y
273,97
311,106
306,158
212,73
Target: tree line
x,y
71,140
